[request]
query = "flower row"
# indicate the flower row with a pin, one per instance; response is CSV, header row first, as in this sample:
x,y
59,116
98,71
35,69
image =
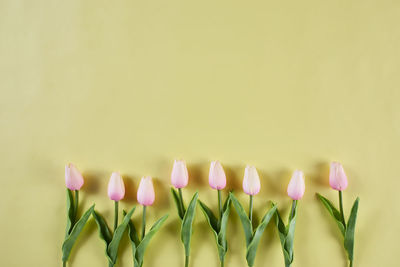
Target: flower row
x,y
218,223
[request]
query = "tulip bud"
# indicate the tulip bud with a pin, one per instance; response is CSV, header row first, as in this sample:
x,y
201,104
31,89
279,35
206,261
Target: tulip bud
x,y
217,178
179,175
145,193
116,187
337,177
73,178
251,181
296,185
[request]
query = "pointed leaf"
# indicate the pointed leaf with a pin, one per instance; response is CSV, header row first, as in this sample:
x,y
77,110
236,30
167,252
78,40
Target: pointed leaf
x,y
187,223
133,236
211,219
104,231
177,200
289,241
223,248
76,230
246,224
143,244
333,212
351,224
252,248
112,249
70,212
283,232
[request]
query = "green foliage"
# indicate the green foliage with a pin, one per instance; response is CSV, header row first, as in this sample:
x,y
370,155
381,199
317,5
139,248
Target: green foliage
x,y
73,229
139,246
218,227
252,239
348,230
187,218
112,241
286,235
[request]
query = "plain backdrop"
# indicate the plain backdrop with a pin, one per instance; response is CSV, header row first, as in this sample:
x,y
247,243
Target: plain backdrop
x,y
132,85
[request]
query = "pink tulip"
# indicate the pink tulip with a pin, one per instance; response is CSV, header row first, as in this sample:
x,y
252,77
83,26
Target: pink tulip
x,y
73,178
337,177
145,193
116,188
179,175
296,185
217,178
251,181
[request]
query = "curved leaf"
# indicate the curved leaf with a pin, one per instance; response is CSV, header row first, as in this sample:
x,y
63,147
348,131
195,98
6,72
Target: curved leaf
x,y
112,249
177,203
70,212
351,224
76,230
104,231
187,223
211,219
286,236
333,212
222,231
252,248
143,244
247,227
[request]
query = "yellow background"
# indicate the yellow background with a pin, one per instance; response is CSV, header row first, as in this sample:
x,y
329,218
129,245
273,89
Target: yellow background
x,y
132,85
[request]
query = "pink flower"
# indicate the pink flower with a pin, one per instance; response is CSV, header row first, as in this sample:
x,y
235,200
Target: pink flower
x,y
145,193
337,177
179,175
116,188
73,178
296,185
251,181
217,178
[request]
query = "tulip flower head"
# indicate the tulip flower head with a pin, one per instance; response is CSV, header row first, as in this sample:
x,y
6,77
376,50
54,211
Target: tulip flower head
x,y
296,185
337,177
145,193
73,178
179,175
251,181
217,178
116,187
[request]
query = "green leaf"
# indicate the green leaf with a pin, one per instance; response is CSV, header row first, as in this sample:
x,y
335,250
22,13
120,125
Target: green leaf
x,y
133,237
333,212
112,249
104,231
223,248
76,230
187,224
286,236
252,248
349,235
219,234
211,219
70,212
143,244
247,227
177,203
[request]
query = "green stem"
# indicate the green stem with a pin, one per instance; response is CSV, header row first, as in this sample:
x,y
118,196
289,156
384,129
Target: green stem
x,y
64,264
351,263
341,208
294,204
182,205
76,204
144,222
186,261
251,209
222,263
219,204
115,214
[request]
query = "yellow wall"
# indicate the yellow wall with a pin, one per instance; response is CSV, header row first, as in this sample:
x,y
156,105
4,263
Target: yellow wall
x,y
132,85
